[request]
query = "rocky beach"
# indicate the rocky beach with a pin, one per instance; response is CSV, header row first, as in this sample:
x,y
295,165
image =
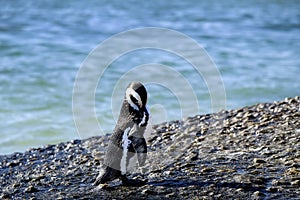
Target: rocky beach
x,y
247,153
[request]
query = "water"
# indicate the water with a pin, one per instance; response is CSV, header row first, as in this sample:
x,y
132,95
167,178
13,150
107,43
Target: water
x,y
255,45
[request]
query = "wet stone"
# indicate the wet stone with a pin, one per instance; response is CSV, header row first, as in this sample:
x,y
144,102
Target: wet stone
x,y
296,183
258,194
272,189
147,191
31,189
258,161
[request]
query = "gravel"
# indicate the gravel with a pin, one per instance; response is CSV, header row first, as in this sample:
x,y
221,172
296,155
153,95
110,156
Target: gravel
x,y
247,153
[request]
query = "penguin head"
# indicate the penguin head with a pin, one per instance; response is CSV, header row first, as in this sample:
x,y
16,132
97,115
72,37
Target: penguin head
x,y
136,96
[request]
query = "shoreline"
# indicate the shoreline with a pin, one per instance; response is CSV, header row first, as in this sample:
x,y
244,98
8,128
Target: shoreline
x,y
246,153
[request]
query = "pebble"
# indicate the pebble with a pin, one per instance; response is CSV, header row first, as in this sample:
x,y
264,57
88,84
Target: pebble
x,y
31,189
272,189
147,191
171,195
258,161
295,183
258,194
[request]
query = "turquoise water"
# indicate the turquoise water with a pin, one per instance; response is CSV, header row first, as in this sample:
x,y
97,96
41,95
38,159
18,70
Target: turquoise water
x,y
255,45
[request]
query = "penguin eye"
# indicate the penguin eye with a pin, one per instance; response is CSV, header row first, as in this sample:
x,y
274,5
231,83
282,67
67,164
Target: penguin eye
x,y
133,99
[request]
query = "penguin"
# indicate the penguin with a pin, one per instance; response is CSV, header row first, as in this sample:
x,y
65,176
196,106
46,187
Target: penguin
x,y
127,139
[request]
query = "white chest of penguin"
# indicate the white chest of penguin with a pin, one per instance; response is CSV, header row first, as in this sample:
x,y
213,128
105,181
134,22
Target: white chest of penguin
x,y
130,131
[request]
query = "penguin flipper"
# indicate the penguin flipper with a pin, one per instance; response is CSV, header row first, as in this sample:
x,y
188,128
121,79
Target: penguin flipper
x,y
140,147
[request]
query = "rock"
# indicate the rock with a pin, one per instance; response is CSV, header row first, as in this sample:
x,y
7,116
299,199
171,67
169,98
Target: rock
x,y
171,195
147,191
295,183
31,189
258,161
207,169
272,189
258,180
258,194
4,196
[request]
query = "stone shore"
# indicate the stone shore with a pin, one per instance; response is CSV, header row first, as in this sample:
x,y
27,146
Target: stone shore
x,y
247,153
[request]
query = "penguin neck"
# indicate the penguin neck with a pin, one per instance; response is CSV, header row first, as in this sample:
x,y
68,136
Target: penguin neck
x,y
139,117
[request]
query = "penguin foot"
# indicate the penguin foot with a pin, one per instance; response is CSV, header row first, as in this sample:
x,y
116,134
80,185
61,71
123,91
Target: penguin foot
x,y
106,175
133,182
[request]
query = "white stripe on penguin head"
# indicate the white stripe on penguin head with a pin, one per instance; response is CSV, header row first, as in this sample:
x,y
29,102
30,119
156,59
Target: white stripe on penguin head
x,y
129,92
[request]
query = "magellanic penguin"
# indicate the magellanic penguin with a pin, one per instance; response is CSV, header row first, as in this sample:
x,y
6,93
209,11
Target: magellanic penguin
x,y
128,137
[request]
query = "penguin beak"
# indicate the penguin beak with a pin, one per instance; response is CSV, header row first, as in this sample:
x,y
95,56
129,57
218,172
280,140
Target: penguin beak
x,y
140,105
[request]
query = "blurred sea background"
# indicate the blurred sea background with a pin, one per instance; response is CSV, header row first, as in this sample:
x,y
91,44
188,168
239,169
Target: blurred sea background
x,y
255,45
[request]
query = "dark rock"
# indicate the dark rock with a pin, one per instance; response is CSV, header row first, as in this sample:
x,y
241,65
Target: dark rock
x,y
272,189
258,161
295,183
31,189
258,194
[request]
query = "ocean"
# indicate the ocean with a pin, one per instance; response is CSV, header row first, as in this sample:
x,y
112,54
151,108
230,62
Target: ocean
x,y
253,47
